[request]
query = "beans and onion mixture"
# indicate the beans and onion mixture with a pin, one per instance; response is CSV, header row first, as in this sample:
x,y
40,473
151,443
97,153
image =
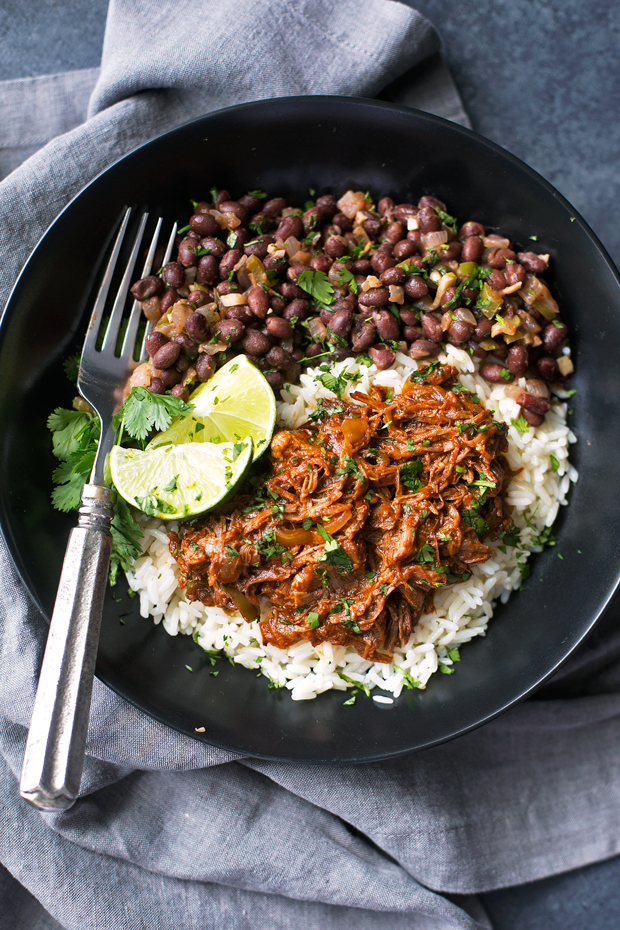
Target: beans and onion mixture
x,y
359,518
290,285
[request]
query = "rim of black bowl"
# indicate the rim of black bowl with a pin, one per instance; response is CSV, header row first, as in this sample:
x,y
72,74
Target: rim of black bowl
x,y
315,102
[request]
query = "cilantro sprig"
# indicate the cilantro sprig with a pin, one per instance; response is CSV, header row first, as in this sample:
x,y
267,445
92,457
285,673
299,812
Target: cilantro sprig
x,y
143,412
333,553
318,285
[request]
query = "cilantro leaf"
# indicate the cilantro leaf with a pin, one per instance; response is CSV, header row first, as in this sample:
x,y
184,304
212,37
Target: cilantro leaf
x,y
143,411
347,277
333,552
126,536
318,285
446,218
520,423
424,373
71,366
409,474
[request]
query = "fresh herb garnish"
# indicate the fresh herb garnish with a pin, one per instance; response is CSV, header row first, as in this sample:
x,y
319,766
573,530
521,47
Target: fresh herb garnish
x,y
143,411
318,285
409,474
333,552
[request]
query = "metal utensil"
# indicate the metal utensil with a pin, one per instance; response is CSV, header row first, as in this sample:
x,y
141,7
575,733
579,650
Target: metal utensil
x,y
54,756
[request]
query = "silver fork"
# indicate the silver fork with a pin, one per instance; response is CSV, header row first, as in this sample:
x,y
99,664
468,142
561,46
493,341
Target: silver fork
x,y
54,757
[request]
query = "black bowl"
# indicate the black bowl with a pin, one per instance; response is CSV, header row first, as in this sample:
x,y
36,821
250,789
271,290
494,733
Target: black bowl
x,y
288,146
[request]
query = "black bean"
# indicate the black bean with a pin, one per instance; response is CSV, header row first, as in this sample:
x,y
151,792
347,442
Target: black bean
x,y
517,360
313,349
154,342
477,351
188,347
238,237
182,363
204,224
415,287
483,328
374,297
221,198
251,204
547,367
553,335
364,336
382,260
459,331
336,246
196,326
534,419
386,205
275,206
362,266
202,207
471,228
411,333
151,308
451,252
241,312
174,274
197,298
532,262
404,249
261,223
497,257
148,287
292,291
327,205
233,206
259,246
277,357
393,276
423,348
492,372
472,249
395,232
229,331
278,304
382,356
168,300
279,328
279,265
180,391
448,295
170,376
275,379
341,322
515,273
432,329
387,325
321,262
290,226
208,267
428,220
403,211
297,309
258,301
166,355
187,253
213,246
372,226
536,404
205,367
224,288
229,261
428,201
293,271
157,386
255,342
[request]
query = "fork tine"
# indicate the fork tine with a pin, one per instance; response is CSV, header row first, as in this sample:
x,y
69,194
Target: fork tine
x,y
166,259
129,341
111,335
95,318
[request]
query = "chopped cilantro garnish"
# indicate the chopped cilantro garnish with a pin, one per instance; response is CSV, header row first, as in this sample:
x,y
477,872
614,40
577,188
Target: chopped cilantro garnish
x,y
520,423
318,285
333,552
554,462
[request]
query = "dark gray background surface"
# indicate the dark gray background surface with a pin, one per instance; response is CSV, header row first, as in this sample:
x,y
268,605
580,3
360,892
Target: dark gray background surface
x,y
541,80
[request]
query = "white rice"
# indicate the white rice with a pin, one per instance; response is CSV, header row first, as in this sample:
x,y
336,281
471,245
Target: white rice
x,y
462,611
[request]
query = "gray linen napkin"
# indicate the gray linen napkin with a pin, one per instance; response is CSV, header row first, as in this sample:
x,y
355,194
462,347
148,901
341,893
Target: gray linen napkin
x,y
170,833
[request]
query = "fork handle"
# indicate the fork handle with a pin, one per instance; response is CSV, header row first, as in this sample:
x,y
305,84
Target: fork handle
x,y
56,743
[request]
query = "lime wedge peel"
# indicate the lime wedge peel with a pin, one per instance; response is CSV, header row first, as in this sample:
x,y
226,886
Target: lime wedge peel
x,y
175,482
236,403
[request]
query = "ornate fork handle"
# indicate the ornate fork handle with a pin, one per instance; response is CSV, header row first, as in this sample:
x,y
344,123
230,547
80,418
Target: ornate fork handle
x,y
57,738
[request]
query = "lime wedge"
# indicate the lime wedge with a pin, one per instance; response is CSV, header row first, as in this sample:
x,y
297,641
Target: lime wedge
x,y
236,403
174,482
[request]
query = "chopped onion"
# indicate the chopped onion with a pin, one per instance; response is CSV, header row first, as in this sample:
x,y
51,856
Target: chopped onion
x,y
466,316
301,257
431,239
412,223
495,242
511,289
506,326
292,246
362,236
213,349
351,202
537,388
447,280
527,321
370,282
225,220
190,275
317,329
565,365
233,300
397,294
